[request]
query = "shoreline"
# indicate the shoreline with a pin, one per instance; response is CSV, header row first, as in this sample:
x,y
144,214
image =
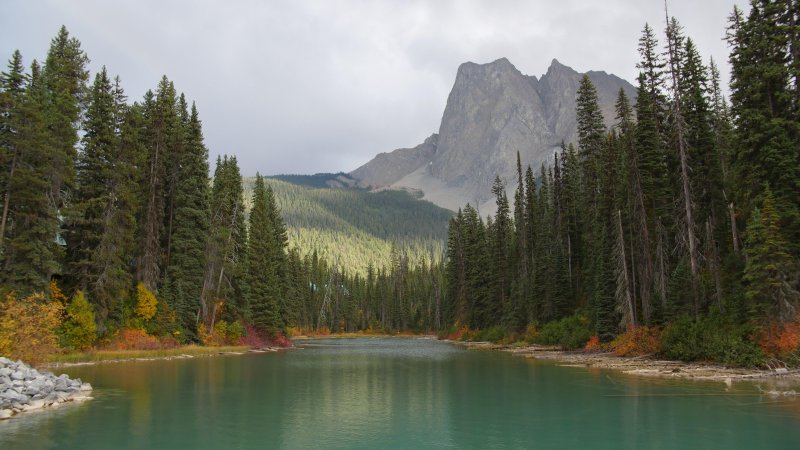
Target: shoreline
x,y
142,355
647,366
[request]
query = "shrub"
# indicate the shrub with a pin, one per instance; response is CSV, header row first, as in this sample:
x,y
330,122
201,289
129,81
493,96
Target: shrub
x,y
713,338
146,302
492,334
252,338
235,332
782,340
28,327
79,328
531,333
134,339
593,345
637,341
570,333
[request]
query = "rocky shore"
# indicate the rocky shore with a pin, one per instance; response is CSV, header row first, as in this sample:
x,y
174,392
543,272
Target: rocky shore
x,y
642,365
23,389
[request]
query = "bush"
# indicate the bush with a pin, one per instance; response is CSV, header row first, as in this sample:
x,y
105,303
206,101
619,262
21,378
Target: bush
x,y
134,339
146,303
235,332
637,341
28,327
782,341
531,334
492,334
712,338
79,328
570,333
593,345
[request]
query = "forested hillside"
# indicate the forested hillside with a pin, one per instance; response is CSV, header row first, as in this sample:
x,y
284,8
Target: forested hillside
x,y
353,228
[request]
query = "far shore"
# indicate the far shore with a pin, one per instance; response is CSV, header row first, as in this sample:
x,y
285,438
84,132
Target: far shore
x,y
644,365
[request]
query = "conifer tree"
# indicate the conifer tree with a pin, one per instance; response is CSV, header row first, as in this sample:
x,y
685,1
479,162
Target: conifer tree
x,y
190,227
770,271
263,283
64,79
30,252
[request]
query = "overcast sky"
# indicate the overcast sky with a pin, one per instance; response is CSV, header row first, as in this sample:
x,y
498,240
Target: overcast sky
x,y
322,86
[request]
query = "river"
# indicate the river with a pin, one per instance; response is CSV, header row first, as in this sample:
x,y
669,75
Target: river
x,y
402,393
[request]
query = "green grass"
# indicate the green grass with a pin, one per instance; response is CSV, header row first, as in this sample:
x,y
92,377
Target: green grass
x,y
109,355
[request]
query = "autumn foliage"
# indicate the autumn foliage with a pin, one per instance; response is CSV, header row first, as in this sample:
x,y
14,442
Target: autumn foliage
x,y
782,340
637,341
28,327
593,345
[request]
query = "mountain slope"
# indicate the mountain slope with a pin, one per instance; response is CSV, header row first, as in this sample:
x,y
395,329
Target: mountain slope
x,y
354,228
492,112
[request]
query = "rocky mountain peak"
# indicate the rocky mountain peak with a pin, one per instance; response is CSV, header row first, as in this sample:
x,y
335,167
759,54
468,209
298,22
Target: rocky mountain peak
x,y
493,111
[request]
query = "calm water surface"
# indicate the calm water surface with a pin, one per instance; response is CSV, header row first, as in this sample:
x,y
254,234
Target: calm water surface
x,y
400,393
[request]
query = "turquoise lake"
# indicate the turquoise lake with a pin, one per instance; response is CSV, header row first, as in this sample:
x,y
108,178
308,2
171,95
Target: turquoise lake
x,y
402,393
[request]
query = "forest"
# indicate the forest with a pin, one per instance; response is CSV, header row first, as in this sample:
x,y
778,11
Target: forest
x,y
676,232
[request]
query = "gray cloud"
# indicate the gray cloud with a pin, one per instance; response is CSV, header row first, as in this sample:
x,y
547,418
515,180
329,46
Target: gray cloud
x,y
311,86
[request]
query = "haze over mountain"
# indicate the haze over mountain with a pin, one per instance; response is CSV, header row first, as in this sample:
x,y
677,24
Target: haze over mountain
x,y
492,112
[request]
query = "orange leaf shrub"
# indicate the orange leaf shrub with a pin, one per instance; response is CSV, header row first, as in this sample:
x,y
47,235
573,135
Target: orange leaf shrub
x,y
637,341
134,339
781,340
28,327
593,345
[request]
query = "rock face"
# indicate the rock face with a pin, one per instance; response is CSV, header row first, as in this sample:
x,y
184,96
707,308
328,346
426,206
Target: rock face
x,y
493,112
23,388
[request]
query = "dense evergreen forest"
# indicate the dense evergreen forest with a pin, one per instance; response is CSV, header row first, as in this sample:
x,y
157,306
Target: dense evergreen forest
x,y
683,216
677,231
353,228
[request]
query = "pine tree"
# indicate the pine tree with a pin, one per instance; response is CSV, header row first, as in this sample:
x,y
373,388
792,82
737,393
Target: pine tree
x,y
226,244
64,78
31,254
190,227
160,126
261,265
12,90
85,221
767,129
770,271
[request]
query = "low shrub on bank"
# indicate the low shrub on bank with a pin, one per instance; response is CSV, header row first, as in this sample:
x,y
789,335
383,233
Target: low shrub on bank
x,y
570,333
712,338
28,327
781,341
138,339
637,341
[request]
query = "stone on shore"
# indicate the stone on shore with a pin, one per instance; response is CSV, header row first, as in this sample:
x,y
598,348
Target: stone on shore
x,y
23,389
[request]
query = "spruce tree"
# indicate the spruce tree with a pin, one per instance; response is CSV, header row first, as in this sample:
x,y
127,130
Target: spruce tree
x,y
30,253
770,271
64,79
261,264
190,227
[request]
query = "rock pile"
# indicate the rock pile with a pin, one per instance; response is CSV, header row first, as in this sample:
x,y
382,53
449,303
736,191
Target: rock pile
x,y
23,388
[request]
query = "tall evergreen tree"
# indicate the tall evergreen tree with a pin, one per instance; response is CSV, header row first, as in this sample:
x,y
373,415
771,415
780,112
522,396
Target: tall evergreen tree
x,y
263,283
30,252
190,227
64,79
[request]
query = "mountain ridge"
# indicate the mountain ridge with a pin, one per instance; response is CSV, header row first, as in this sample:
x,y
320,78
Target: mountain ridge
x,y
493,111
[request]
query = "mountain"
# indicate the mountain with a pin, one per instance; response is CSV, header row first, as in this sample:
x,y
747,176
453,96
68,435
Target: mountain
x,y
352,227
492,112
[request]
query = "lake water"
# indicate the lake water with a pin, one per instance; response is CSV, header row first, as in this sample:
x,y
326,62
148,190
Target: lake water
x,y
400,393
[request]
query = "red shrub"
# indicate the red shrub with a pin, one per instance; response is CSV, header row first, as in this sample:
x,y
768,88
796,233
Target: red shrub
x,y
252,338
781,340
593,345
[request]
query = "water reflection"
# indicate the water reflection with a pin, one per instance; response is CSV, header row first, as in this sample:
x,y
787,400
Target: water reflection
x,y
402,393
